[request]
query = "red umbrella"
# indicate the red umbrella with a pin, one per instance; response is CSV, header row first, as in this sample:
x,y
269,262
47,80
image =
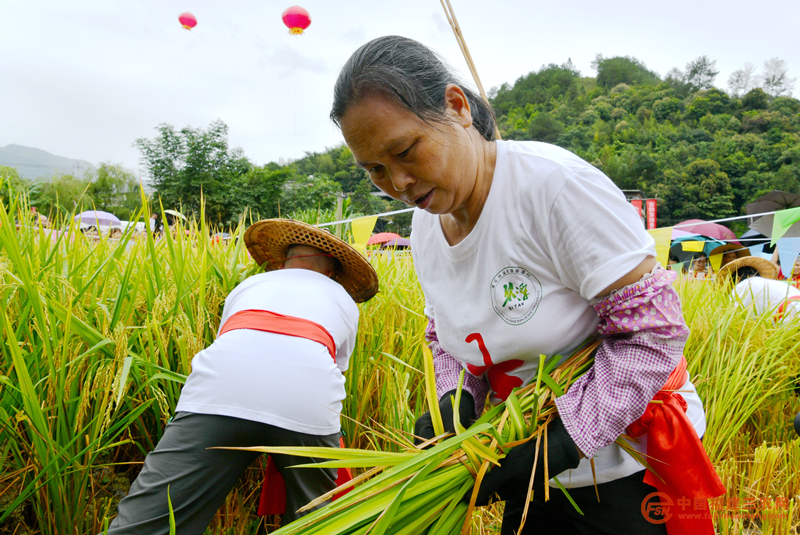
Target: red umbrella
x,y
712,230
382,237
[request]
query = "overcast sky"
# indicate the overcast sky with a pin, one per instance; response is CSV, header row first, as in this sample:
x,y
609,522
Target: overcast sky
x,y
84,79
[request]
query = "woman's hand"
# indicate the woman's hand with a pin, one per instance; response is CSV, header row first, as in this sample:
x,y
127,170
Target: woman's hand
x,y
423,428
512,478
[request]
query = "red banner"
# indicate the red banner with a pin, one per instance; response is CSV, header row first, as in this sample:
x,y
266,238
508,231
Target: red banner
x,y
637,204
651,213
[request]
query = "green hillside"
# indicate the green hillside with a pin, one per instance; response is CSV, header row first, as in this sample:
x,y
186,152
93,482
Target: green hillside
x,y
703,153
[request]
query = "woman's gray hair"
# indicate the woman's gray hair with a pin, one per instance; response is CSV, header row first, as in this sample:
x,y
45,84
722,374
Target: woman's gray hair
x,y
411,74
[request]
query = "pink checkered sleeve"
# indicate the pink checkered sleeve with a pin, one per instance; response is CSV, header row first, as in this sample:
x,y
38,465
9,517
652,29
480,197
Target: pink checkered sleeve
x,y
447,370
645,336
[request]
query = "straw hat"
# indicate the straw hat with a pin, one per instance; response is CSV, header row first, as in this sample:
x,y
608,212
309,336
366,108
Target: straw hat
x,y
741,251
764,267
268,240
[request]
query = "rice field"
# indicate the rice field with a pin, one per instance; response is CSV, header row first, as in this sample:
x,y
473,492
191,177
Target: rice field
x,y
98,338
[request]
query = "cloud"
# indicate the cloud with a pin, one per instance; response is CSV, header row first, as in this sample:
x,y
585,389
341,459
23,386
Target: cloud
x,y
441,23
354,35
285,60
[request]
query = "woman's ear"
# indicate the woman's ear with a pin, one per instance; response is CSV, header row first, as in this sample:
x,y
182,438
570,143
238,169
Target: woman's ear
x,y
457,105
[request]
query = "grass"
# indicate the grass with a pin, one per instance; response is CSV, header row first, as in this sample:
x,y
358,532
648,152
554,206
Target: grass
x,y
97,338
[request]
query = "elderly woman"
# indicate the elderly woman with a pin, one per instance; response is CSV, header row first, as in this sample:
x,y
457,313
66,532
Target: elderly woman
x,y
522,249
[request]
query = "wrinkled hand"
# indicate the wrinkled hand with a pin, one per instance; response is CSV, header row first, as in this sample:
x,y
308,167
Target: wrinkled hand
x,y
423,428
513,475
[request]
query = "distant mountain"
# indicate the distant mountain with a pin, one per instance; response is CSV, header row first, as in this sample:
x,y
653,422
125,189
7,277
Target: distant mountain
x,y
35,163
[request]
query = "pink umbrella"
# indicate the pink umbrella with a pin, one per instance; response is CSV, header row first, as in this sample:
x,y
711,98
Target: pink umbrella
x,y
712,230
677,233
382,237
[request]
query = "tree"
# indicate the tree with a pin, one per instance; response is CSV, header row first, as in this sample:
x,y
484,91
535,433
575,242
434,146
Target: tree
x,y
62,193
775,80
193,163
258,191
742,81
755,99
537,87
701,72
545,127
676,79
363,201
310,193
622,70
114,189
11,184
699,191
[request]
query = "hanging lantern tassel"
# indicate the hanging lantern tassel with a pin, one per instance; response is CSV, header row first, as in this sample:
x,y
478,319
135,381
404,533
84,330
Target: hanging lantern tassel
x,y
296,19
187,20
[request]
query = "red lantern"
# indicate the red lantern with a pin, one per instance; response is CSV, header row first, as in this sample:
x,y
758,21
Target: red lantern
x,y
187,20
296,19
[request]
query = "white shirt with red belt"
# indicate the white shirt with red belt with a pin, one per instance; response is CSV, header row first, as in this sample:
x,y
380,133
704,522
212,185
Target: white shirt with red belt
x,y
286,381
778,298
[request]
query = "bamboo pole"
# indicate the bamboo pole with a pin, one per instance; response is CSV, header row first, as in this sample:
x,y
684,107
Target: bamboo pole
x,y
462,44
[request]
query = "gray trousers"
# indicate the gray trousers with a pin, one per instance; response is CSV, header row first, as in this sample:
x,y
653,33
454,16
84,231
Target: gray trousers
x,y
199,479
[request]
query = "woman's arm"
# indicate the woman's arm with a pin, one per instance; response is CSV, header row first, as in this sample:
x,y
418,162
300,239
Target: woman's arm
x,y
646,335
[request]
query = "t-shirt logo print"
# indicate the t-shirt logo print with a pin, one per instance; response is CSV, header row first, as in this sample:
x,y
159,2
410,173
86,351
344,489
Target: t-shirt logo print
x,y
515,294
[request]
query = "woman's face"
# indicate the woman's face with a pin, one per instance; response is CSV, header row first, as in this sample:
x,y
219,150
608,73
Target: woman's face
x,y
431,166
728,257
700,264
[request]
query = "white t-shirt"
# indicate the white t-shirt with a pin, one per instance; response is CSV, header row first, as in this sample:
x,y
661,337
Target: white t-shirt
x,y
766,295
554,233
281,380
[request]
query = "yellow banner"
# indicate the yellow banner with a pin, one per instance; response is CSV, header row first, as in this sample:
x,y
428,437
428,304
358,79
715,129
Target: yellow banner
x,y
693,246
362,230
663,238
716,262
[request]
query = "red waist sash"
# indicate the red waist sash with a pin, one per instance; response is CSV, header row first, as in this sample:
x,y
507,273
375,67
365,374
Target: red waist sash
x,y
273,490
782,308
272,322
685,477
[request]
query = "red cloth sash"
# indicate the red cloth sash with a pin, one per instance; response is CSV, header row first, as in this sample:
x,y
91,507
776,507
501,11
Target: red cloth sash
x,y
272,322
782,308
273,490
687,477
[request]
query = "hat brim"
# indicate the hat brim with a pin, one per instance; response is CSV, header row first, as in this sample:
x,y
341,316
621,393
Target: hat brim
x,y
740,250
765,268
267,242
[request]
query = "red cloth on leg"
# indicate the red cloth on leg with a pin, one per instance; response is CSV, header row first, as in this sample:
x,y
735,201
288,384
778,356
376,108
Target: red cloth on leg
x,y
273,490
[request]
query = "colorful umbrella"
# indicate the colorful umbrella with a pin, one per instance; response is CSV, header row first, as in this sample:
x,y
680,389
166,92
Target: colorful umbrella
x,y
397,242
682,247
773,201
175,213
382,237
712,230
97,217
